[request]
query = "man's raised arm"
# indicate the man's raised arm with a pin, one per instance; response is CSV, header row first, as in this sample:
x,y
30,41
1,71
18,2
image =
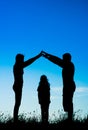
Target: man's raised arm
x,y
56,60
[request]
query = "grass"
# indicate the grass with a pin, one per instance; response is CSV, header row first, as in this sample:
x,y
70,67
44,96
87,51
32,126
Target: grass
x,y
32,121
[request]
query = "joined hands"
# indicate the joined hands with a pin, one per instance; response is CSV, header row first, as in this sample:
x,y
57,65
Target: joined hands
x,y
43,53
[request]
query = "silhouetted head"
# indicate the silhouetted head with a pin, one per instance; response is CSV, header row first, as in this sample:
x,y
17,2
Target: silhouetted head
x,y
19,58
43,77
67,57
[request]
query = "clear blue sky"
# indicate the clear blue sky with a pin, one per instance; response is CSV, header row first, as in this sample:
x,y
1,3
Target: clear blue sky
x,y
56,26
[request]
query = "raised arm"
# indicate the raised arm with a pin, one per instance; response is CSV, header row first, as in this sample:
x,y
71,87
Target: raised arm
x,y
56,60
31,60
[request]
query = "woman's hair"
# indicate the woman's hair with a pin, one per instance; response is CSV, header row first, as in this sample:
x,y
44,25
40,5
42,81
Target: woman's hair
x,y
19,57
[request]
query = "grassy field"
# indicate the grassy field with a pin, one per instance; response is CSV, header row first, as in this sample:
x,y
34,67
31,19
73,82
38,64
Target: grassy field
x,y
34,122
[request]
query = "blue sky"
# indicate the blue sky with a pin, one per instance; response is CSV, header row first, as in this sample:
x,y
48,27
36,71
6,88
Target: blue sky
x,y
55,26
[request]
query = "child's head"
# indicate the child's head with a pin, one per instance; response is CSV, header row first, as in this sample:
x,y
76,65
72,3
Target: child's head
x,y
43,78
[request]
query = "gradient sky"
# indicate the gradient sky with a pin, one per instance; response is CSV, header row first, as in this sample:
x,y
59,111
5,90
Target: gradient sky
x,y
55,26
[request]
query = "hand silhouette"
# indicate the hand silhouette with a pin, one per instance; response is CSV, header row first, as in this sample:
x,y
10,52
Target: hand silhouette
x,y
43,53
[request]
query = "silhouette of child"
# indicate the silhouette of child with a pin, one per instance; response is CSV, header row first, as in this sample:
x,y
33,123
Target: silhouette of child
x,y
44,98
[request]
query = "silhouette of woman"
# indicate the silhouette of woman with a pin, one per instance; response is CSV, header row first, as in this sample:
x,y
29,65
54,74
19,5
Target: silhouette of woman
x,y
44,98
18,72
69,86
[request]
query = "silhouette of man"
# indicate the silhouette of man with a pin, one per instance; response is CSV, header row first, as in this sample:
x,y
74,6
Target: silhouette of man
x,y
69,86
18,72
44,98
